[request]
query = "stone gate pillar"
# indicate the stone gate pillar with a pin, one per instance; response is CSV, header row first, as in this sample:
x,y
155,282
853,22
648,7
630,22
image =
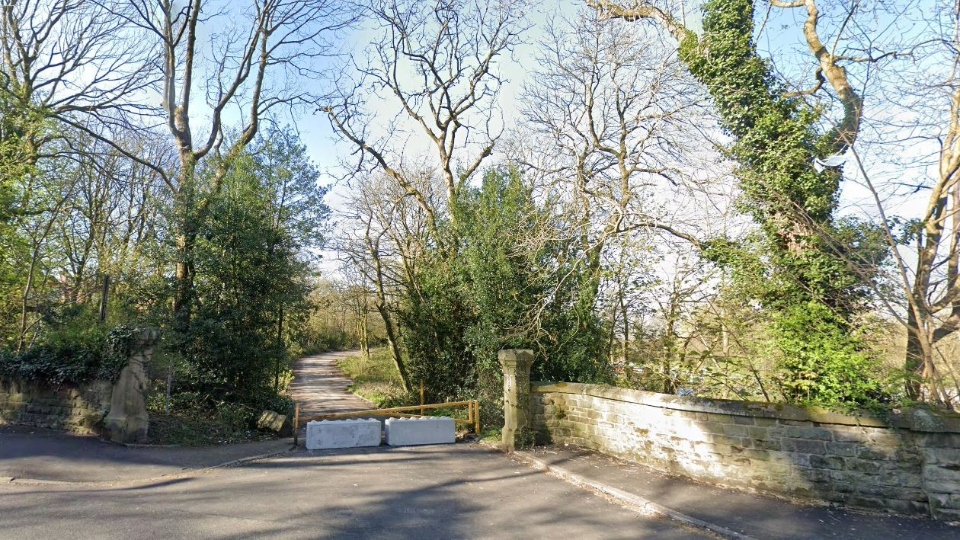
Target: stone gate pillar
x,y
127,421
516,395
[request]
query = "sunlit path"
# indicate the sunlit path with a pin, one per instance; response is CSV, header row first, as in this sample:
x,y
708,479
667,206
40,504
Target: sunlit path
x,y
320,387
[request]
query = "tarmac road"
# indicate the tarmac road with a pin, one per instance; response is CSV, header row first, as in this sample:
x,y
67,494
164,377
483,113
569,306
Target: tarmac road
x,y
56,486
441,492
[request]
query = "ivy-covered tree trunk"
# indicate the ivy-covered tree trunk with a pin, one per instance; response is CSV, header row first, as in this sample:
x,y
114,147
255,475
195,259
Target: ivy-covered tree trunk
x,y
806,258
776,145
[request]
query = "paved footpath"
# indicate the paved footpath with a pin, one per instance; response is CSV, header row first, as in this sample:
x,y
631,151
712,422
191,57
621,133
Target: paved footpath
x,y
30,455
320,387
442,492
733,513
38,455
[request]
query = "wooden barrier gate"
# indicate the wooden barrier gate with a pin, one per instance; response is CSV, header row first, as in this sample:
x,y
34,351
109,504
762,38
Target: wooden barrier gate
x,y
472,420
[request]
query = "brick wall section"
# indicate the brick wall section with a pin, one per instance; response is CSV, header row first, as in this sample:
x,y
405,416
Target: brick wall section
x,y
78,410
909,463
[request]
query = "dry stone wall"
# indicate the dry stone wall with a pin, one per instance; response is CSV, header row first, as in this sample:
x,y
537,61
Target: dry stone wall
x,y
908,463
78,410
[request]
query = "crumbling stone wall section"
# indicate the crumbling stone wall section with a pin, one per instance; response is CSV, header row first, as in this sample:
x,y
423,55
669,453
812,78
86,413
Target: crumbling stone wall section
x,y
78,410
908,463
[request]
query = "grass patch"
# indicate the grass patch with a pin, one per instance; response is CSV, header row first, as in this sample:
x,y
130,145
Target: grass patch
x,y
492,435
376,379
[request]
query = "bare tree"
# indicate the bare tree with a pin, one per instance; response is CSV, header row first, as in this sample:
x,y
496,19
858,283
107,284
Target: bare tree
x,y
69,58
110,217
390,233
69,74
69,61
926,250
611,119
434,77
437,68
53,194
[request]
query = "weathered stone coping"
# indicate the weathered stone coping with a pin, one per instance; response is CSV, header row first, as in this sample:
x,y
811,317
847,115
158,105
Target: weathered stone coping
x,y
914,419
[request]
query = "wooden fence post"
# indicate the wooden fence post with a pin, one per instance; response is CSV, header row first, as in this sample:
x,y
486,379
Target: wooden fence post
x,y
296,424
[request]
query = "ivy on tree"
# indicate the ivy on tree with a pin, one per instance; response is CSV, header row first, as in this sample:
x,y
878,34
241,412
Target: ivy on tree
x,y
806,270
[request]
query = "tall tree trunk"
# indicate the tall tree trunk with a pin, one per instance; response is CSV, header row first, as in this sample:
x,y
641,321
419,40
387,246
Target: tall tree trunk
x,y
363,328
186,226
34,262
394,346
626,328
924,383
915,356
183,299
280,351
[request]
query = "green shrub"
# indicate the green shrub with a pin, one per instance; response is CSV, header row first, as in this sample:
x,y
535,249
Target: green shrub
x,y
490,288
822,364
75,349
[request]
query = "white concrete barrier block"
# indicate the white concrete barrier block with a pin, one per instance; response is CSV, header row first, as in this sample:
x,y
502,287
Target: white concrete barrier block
x,y
343,433
425,430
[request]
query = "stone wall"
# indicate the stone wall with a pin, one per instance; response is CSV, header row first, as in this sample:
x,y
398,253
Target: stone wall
x,y
909,463
78,410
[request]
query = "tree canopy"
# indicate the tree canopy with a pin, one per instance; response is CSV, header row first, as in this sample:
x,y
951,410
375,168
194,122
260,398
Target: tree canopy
x,y
747,204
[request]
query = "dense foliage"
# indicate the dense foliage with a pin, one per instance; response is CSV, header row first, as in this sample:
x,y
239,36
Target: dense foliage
x,y
253,280
77,350
808,261
527,282
512,283
252,267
